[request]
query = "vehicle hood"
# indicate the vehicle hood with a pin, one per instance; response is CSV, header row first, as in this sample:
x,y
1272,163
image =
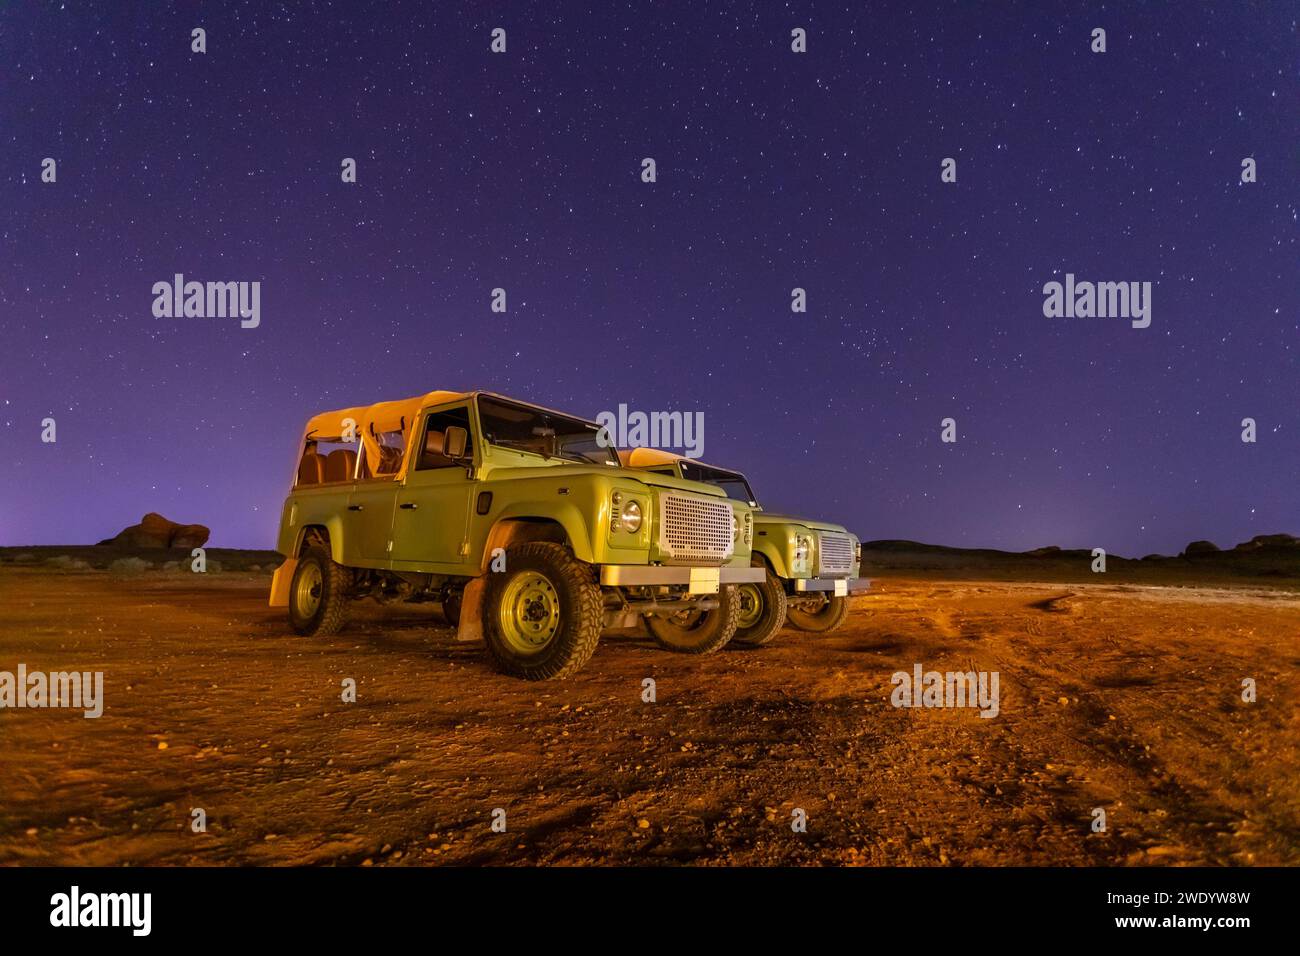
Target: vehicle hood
x,y
768,517
654,480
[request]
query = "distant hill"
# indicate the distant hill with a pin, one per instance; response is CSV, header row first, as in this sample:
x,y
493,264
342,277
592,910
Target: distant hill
x,y
102,557
1266,556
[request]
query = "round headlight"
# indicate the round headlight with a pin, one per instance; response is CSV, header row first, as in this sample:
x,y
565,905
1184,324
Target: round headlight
x,y
630,516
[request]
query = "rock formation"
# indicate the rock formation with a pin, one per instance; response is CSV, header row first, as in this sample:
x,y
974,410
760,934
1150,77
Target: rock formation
x,y
155,531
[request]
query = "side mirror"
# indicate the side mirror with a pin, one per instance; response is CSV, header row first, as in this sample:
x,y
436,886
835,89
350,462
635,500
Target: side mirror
x,y
454,441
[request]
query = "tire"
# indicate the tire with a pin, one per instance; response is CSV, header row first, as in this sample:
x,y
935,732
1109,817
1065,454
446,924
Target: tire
x,y
698,632
451,609
762,609
830,616
542,617
317,594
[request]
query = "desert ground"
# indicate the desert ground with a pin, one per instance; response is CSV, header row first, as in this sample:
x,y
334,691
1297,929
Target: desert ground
x,y
1120,695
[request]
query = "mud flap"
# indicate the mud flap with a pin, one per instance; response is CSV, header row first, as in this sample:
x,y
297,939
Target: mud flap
x,y
280,583
471,611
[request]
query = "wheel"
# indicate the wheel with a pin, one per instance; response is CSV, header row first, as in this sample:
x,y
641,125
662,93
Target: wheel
x,y
317,594
543,616
762,609
698,632
822,621
451,609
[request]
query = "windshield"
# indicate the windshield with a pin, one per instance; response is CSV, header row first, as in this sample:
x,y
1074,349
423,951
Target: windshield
x,y
537,432
731,482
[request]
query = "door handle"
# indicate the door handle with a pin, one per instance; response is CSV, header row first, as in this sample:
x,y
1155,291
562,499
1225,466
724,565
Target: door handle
x,y
354,507
408,505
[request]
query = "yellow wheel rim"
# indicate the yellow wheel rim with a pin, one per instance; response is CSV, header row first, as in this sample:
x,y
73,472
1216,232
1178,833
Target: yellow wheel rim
x,y
307,591
529,613
751,606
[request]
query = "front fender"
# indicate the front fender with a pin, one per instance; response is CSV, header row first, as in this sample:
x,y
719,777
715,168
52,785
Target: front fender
x,y
772,549
566,515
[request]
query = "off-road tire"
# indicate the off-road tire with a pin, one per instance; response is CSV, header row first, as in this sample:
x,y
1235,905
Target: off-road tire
x,y
581,612
829,618
708,631
772,595
451,609
327,616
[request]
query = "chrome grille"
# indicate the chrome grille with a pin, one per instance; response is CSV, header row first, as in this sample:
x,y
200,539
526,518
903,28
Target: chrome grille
x,y
834,554
696,530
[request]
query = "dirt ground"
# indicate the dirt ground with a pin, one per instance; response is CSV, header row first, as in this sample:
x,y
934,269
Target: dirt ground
x,y
1116,696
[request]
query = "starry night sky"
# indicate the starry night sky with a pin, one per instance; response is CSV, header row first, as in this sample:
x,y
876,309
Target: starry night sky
x,y
775,170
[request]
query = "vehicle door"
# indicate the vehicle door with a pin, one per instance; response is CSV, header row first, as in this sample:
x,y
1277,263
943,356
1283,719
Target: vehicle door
x,y
431,520
372,503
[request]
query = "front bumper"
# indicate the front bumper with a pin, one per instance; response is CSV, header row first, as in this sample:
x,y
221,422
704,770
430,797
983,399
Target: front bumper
x,y
840,587
697,580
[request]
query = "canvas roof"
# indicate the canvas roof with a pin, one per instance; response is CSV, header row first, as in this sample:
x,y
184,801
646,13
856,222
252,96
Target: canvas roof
x,y
384,416
376,419
648,457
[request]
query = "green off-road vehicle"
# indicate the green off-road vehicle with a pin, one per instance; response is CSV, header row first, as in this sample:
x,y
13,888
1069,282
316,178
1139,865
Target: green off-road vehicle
x,y
520,520
810,567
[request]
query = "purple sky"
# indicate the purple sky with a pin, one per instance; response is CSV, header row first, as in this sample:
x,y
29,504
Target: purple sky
x,y
775,170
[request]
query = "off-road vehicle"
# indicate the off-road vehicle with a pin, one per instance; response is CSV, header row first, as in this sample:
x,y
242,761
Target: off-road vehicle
x,y
811,567
519,519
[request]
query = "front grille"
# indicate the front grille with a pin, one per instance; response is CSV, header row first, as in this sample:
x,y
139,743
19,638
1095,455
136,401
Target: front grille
x,y
834,554
696,530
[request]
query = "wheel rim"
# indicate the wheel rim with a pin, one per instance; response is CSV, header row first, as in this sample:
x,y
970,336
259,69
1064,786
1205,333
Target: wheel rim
x,y
307,591
751,606
685,621
813,620
530,613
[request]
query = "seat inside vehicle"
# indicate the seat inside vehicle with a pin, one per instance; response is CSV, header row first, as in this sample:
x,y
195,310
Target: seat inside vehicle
x,y
339,464
311,470
432,457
